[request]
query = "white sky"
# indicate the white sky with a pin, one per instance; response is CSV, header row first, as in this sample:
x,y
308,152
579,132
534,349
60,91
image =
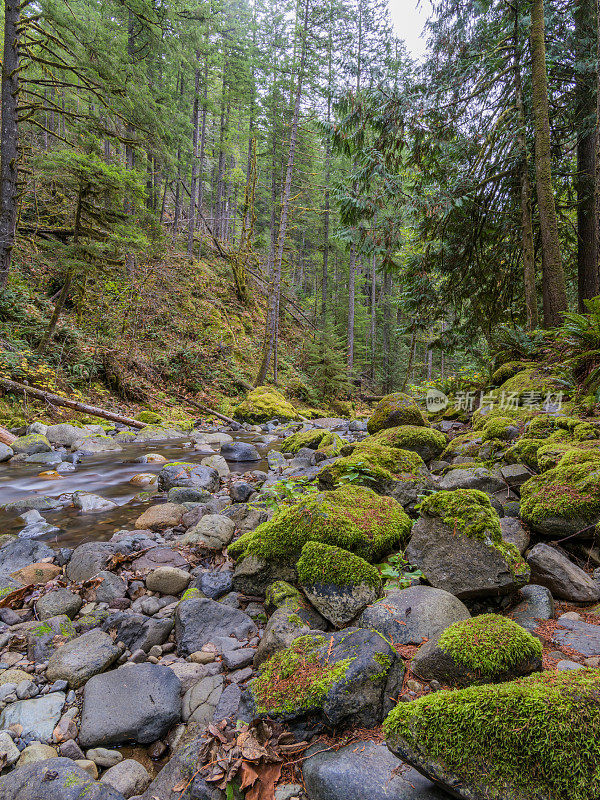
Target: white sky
x,y
409,17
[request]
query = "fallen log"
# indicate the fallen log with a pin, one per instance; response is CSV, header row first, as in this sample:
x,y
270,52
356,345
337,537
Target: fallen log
x,y
6,437
372,398
207,410
54,399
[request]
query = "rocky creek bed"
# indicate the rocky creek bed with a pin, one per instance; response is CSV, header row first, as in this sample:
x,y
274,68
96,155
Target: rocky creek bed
x,y
185,614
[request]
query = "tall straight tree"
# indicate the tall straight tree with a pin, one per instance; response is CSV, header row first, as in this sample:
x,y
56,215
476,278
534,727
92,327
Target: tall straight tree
x,y
554,295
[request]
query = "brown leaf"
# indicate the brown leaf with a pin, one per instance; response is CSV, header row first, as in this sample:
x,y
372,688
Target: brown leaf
x,y
264,788
13,597
249,775
214,731
181,786
251,749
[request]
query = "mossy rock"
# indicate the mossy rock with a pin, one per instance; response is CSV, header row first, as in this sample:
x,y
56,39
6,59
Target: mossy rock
x,y
31,444
565,499
343,408
426,442
149,417
524,451
373,465
282,594
352,517
499,428
323,564
466,444
263,404
314,439
528,384
536,737
394,410
485,649
509,370
520,416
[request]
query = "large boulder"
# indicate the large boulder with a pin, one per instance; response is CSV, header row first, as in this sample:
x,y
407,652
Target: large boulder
x,y
54,779
566,499
65,434
426,442
409,616
31,443
88,559
57,602
472,478
214,532
193,476
37,716
551,568
160,517
368,771
285,625
240,451
263,404
486,649
134,703
509,741
137,631
339,584
344,678
394,410
352,517
536,605
458,545
199,621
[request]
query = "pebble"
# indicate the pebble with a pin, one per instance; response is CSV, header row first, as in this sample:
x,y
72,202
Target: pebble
x,y
103,757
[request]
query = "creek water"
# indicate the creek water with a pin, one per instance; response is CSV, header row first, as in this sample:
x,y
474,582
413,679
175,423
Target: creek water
x,y
108,475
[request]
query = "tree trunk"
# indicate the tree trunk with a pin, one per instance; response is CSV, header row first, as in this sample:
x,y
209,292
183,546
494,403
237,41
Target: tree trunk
x,y
585,93
195,134
272,324
373,314
554,293
526,221
9,155
351,308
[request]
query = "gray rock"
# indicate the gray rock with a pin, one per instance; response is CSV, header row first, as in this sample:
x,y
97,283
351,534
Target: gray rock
x,y
90,445
340,604
537,605
180,771
240,492
200,702
214,532
218,463
228,704
515,475
19,553
514,532
89,559
134,703
37,502
38,716
466,567
137,631
551,568
89,503
168,580
54,779
193,476
103,757
112,587
45,638
369,771
284,625
87,655
46,459
214,583
9,752
472,478
6,452
240,451
253,576
31,443
199,620
186,494
65,434
129,777
581,636
408,616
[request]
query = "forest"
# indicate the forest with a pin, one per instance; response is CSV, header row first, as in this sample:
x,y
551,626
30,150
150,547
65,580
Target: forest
x,y
299,400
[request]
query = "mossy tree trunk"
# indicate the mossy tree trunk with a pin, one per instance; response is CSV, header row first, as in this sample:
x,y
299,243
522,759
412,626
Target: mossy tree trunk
x,y
554,293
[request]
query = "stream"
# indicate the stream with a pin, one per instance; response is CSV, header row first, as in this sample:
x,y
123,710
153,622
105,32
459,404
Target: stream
x,y
108,475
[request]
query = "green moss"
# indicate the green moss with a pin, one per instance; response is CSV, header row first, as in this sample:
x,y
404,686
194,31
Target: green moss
x,y
533,737
469,513
263,404
373,465
467,444
497,428
489,644
189,594
295,679
571,489
410,437
352,517
281,594
519,416
24,444
509,370
524,451
313,439
395,409
150,417
42,630
323,564
530,380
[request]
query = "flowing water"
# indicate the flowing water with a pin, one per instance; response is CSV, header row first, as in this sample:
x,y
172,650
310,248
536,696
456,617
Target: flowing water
x,y
106,474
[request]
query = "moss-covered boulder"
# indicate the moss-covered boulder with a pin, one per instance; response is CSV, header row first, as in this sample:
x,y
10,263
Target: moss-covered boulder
x,y
509,370
466,444
485,649
263,404
32,443
149,417
376,466
530,385
426,442
502,428
395,409
188,475
341,679
566,498
524,451
352,517
535,738
339,584
314,439
458,545
281,594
